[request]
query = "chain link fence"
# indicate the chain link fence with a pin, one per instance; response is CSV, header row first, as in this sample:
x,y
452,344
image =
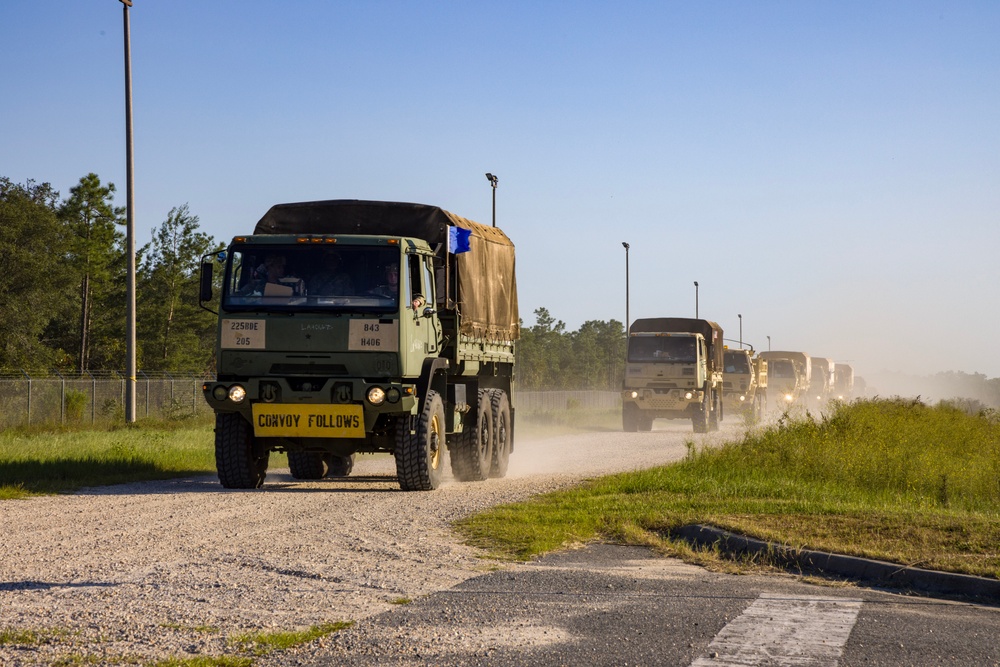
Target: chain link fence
x,y
39,397
557,401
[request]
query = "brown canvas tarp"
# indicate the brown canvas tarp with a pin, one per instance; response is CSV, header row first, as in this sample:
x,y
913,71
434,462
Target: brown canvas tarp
x,y
487,289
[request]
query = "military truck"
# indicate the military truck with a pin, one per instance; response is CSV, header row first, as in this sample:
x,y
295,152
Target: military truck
x,y
673,370
349,327
788,378
843,382
744,383
823,378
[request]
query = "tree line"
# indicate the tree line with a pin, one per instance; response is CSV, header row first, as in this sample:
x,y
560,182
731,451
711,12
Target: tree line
x,y
63,292
64,288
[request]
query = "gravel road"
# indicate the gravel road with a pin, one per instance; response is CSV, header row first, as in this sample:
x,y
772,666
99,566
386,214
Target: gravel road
x,y
156,570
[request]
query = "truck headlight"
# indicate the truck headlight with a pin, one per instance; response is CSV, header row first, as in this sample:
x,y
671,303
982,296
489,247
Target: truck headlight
x,y
788,397
237,393
635,394
742,398
376,396
689,395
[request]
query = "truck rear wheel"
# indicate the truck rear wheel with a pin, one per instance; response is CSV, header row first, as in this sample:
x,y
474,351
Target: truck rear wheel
x,y
472,453
645,423
420,455
306,465
239,459
502,433
339,466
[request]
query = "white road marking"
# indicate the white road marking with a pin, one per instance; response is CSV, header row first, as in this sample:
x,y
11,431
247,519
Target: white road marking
x,y
780,630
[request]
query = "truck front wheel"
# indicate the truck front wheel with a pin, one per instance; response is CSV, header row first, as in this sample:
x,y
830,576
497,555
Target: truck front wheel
x,y
472,452
239,459
420,455
630,418
699,418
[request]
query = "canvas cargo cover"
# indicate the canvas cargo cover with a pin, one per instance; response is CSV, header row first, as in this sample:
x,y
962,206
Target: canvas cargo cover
x,y
710,330
487,288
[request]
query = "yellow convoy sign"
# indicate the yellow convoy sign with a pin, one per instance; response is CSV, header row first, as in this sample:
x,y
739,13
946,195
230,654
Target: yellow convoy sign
x,y
308,421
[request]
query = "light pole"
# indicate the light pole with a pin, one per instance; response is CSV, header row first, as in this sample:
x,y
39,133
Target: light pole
x,y
768,343
625,245
493,182
696,299
741,330
130,370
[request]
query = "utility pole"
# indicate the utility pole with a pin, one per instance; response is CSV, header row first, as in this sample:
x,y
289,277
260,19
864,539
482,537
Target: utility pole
x,y
493,182
130,343
627,321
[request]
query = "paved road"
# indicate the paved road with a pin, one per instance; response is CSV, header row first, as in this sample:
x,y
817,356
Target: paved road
x,y
613,605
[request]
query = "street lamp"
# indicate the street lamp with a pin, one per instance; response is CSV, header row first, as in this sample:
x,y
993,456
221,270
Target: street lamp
x,y
627,327
741,330
493,182
130,344
696,299
768,343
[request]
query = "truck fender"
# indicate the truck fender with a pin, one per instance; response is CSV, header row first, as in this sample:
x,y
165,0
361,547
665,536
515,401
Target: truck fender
x,y
433,375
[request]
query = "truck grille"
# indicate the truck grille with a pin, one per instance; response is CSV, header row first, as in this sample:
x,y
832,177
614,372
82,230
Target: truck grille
x,y
308,369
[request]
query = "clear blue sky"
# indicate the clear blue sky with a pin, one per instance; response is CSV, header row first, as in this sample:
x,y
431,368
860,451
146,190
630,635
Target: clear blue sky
x,y
829,170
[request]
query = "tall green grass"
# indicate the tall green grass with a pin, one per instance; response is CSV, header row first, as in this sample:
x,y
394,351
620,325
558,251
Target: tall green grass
x,y
891,479
59,460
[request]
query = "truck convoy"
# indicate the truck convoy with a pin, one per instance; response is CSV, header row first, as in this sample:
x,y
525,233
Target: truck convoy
x,y
350,326
744,383
673,370
788,377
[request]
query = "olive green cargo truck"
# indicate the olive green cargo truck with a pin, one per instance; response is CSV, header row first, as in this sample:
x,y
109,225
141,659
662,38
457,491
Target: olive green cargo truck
x,y
350,327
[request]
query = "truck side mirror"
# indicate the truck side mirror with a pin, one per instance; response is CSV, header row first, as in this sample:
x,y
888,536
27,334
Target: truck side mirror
x,y
428,311
206,281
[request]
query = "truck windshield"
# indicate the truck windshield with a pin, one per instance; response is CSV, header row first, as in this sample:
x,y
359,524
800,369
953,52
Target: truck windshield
x,y
781,368
737,362
312,277
662,348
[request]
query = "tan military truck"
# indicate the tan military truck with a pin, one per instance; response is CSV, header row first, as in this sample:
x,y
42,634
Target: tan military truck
x,y
744,383
351,326
843,382
673,370
823,378
788,378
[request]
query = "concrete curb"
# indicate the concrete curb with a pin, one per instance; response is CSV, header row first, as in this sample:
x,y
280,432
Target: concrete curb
x,y
863,569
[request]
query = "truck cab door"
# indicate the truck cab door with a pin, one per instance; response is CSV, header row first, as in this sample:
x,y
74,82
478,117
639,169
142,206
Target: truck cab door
x,y
422,286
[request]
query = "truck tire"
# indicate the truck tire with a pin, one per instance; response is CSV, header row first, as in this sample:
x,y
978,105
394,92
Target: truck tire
x,y
630,418
420,454
502,432
715,415
699,418
645,423
306,465
472,451
240,461
338,466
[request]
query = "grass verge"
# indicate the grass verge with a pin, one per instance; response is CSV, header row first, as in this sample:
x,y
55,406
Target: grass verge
x,y
893,479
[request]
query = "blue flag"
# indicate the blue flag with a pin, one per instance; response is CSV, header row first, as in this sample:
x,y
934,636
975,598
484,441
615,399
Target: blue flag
x,y
459,240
